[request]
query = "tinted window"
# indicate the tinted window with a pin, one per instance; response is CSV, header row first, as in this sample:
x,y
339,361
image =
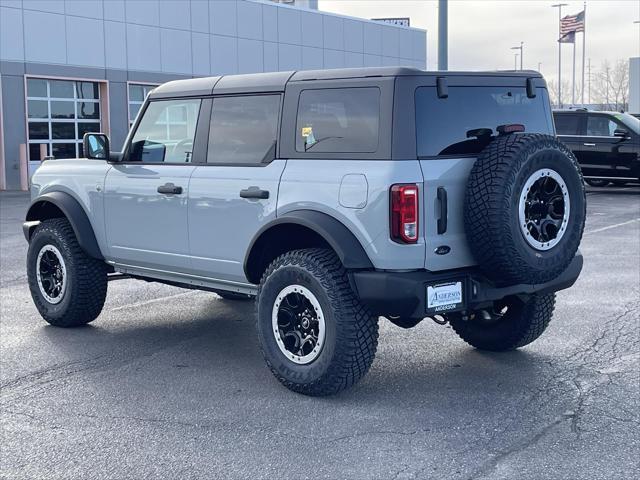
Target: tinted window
x,y
243,129
446,126
339,120
600,126
567,124
165,132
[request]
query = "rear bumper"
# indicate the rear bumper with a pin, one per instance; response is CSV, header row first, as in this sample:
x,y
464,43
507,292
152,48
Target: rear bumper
x,y
404,293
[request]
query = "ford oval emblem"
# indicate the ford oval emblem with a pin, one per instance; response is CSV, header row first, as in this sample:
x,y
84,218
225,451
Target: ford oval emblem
x,y
442,250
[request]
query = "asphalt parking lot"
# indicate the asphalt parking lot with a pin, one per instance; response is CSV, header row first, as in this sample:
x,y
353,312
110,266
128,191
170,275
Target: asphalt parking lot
x,y
169,383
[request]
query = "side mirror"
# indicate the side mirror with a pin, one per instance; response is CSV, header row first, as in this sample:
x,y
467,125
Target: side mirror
x,y
96,146
621,133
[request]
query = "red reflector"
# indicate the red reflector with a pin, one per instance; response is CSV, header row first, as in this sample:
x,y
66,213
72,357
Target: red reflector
x,y
404,213
510,128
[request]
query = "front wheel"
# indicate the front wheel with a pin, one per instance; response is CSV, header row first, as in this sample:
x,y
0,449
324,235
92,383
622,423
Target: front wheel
x,y
511,323
316,336
67,286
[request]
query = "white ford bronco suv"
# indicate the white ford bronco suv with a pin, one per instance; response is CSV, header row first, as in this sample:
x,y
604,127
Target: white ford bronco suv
x,y
332,197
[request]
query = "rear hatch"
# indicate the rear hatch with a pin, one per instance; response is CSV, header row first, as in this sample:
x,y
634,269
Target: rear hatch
x,y
448,141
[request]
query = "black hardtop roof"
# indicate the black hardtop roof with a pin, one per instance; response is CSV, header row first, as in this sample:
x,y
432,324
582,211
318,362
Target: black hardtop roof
x,y
277,81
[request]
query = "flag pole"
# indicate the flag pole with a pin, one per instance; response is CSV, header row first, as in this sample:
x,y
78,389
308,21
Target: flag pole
x,y
584,34
559,7
573,83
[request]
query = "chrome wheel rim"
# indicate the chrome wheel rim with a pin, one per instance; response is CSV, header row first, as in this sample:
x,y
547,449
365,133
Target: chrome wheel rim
x,y
298,324
51,274
544,208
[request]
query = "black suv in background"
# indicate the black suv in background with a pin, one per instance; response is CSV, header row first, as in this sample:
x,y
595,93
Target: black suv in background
x,y
606,144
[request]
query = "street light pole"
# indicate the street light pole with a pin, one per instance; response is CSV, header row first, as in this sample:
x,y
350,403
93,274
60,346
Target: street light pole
x,y
443,34
521,54
515,61
559,7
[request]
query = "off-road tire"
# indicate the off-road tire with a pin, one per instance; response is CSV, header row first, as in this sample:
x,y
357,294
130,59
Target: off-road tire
x,y
351,336
491,204
86,289
596,182
520,325
233,296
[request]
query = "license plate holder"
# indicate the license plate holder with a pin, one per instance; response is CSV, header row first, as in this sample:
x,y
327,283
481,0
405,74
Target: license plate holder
x,y
445,297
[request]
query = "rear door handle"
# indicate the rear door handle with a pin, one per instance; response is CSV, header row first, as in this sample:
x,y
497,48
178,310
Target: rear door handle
x,y
170,189
442,219
589,144
254,192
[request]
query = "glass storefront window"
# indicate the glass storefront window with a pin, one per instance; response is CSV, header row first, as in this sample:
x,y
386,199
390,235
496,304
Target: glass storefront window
x,y
59,113
137,95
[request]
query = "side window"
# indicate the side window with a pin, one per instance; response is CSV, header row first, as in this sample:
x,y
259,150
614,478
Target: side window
x,y
338,120
243,129
165,132
567,124
600,126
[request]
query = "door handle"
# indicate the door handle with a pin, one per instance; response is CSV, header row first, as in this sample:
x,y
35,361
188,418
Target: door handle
x,y
589,144
254,192
442,219
170,189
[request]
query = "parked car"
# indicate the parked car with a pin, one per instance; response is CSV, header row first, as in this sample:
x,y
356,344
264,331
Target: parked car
x,y
606,144
333,197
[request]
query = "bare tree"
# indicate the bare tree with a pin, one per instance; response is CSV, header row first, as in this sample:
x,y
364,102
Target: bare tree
x,y
610,87
552,85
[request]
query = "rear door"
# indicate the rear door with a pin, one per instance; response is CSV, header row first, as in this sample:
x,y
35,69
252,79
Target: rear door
x,y
146,194
235,192
570,129
448,140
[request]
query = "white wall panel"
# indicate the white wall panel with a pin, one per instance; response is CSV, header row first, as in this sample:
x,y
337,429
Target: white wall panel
x,y
270,56
353,36
223,17
200,16
115,42
333,32
143,12
312,58
405,41
270,22
353,59
289,57
114,10
333,58
250,20
289,26
85,42
311,29
372,60
250,56
11,39
143,48
175,14
224,55
40,44
175,51
201,58
390,42
53,6
84,8
373,38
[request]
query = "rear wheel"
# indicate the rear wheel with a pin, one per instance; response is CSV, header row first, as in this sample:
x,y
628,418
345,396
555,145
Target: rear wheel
x,y
511,323
67,286
316,336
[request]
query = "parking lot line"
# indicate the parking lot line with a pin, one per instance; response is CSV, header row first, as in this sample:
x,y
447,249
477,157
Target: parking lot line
x,y
597,230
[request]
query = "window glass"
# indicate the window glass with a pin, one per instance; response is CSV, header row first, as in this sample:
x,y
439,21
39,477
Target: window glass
x,y
63,109
53,110
567,124
338,120
137,95
61,89
166,132
38,108
452,126
243,129
36,87
600,126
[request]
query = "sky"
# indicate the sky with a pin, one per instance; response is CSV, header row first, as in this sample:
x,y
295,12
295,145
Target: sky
x,y
481,32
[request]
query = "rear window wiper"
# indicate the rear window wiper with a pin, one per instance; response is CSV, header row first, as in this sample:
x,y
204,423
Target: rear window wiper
x,y
309,147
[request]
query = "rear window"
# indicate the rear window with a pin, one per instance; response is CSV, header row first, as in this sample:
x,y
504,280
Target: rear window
x,y
567,124
338,120
445,126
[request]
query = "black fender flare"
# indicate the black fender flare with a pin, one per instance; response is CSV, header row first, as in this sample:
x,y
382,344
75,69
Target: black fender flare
x,y
348,248
74,212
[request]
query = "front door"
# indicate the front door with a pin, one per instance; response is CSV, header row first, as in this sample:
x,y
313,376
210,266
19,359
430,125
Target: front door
x,y
146,195
235,193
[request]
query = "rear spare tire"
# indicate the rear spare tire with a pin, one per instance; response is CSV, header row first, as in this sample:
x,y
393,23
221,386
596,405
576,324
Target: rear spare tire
x,y
525,208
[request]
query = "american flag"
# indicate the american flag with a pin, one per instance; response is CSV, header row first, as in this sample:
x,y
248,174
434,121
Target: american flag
x,y
572,23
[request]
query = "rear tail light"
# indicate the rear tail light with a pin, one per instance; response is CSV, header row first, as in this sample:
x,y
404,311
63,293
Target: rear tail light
x,y
404,213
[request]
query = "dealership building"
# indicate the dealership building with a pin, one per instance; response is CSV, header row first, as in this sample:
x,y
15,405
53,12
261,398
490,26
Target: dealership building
x,y
72,66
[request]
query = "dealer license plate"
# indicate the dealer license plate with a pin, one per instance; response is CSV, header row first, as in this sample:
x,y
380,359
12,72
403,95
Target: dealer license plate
x,y
444,296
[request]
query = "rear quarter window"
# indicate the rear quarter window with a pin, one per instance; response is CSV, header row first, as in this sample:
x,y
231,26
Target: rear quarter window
x,y
338,120
444,125
567,124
